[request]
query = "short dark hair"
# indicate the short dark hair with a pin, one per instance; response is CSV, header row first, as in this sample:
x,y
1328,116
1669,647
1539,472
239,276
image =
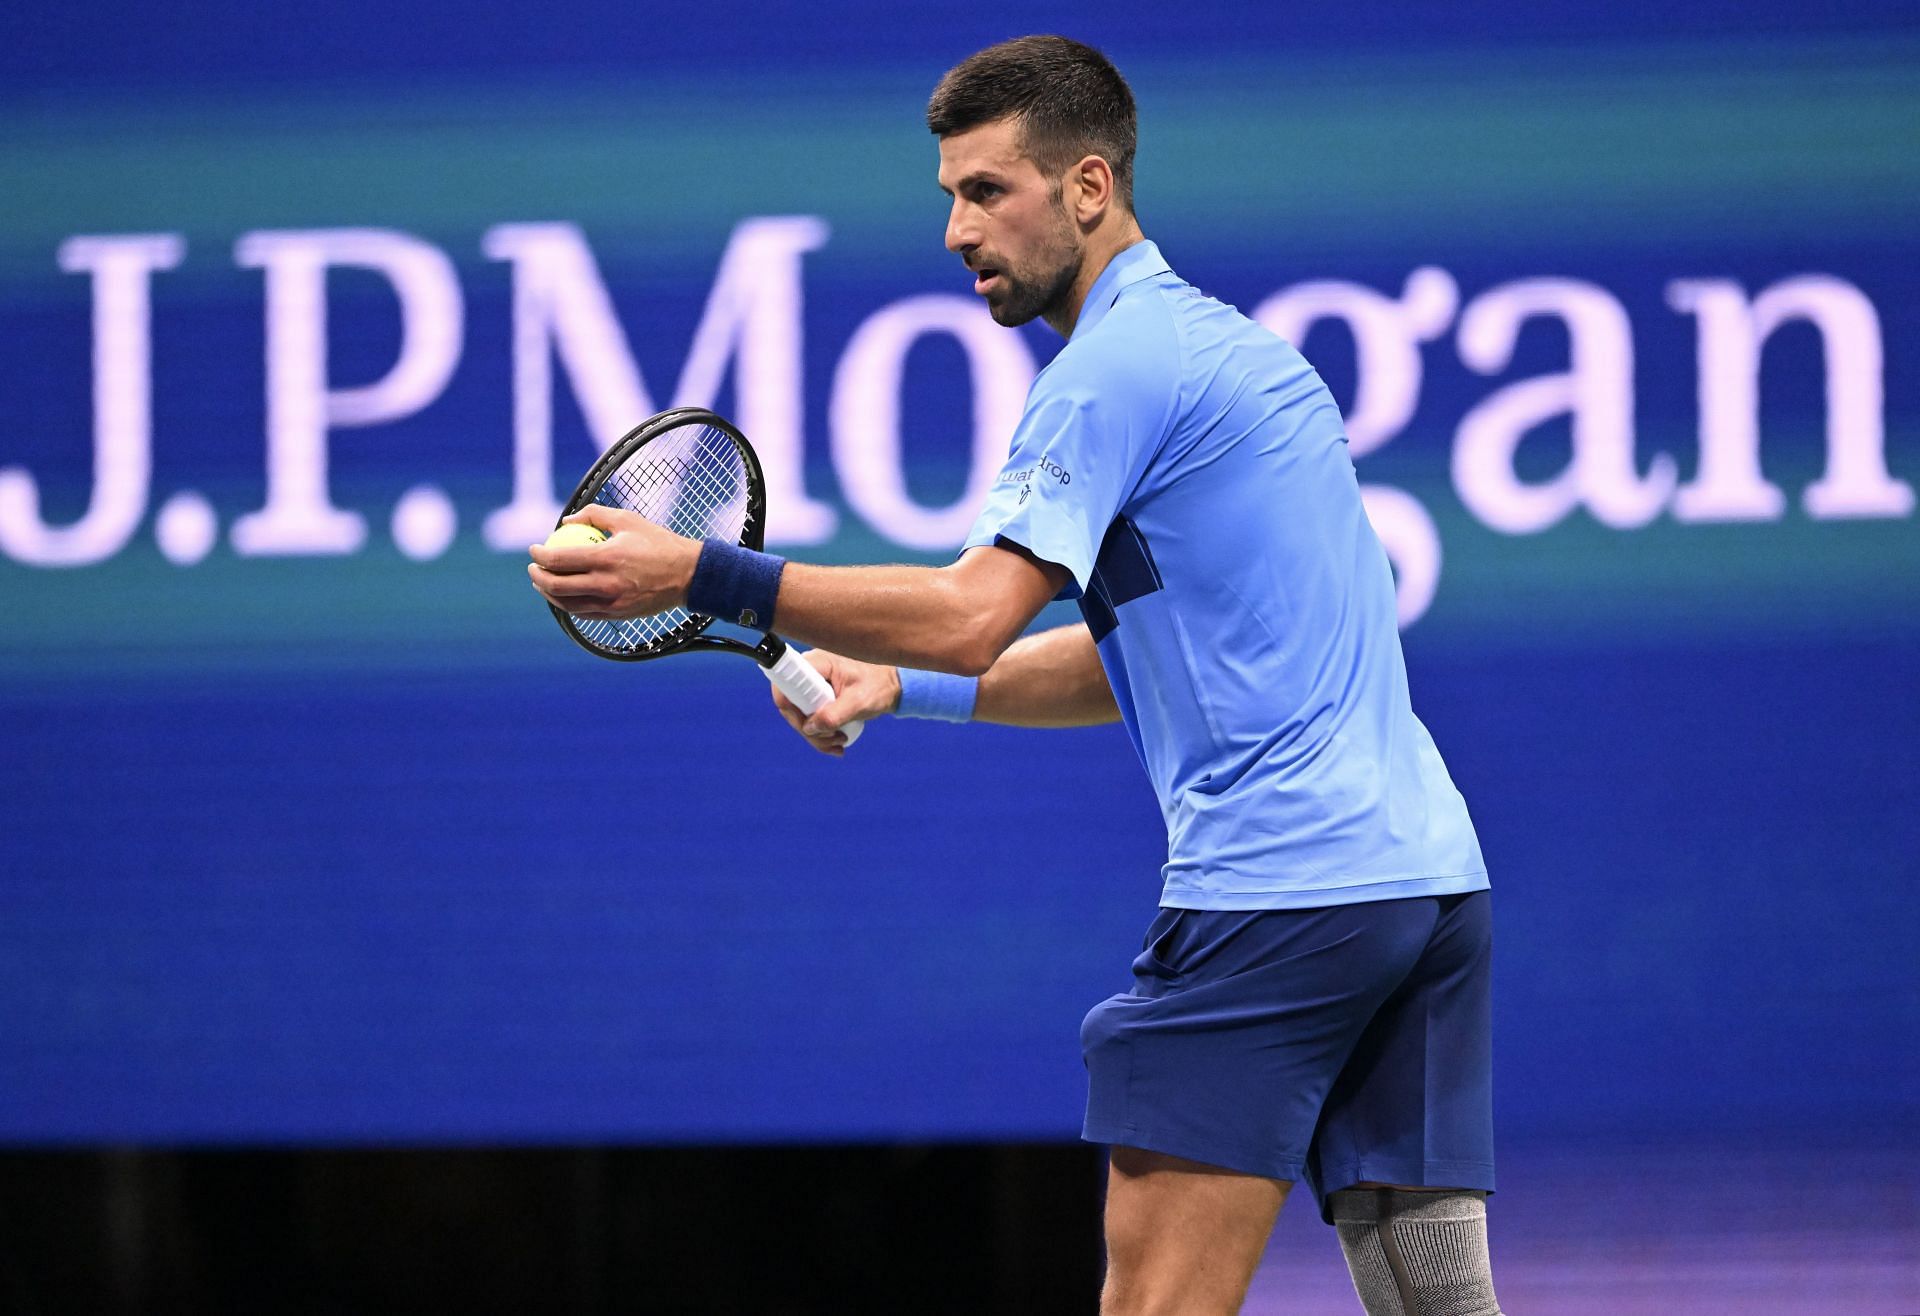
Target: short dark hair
x,y
1070,100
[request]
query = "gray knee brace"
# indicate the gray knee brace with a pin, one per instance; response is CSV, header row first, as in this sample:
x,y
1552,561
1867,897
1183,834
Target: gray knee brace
x,y
1417,1254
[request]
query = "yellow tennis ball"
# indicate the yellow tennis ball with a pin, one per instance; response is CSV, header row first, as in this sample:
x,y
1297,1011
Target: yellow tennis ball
x,y
576,534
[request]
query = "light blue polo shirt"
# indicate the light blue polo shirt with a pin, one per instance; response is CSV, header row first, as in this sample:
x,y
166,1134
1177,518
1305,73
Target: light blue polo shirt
x,y
1190,470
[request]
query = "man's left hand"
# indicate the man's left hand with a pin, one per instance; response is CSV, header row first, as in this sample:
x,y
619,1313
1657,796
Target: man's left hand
x,y
640,570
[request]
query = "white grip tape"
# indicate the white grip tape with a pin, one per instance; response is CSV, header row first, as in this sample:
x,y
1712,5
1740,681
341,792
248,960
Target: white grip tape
x,y
800,681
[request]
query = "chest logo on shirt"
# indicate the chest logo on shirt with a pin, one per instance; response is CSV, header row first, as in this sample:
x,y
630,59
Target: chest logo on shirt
x,y
1124,571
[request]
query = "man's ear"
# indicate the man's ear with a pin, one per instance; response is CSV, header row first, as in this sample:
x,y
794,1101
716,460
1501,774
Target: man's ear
x,y
1094,177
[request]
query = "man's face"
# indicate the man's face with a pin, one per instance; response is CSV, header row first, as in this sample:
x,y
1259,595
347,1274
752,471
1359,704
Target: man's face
x,y
1008,223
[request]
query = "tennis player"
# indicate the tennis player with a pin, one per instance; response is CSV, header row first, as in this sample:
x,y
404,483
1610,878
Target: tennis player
x,y
1311,1004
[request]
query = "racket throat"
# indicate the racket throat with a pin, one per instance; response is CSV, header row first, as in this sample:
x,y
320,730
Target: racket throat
x,y
769,651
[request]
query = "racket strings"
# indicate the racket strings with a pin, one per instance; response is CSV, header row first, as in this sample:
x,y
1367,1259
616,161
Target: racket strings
x,y
693,481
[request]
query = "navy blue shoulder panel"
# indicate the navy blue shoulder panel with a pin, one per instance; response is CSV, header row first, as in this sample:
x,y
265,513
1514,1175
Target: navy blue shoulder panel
x,y
1124,571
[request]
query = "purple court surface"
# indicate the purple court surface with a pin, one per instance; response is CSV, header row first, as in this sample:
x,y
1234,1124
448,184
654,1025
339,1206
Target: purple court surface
x,y
1759,1229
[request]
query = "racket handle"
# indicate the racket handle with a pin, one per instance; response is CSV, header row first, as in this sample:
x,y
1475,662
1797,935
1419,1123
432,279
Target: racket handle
x,y
800,681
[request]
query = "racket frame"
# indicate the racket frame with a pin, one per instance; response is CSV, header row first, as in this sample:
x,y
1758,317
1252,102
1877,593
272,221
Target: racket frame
x,y
690,636
796,678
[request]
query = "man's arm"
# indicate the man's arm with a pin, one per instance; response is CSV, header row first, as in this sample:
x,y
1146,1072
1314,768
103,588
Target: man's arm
x,y
1053,679
957,618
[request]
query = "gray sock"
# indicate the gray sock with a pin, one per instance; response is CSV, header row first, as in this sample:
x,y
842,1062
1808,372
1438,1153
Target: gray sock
x,y
1417,1254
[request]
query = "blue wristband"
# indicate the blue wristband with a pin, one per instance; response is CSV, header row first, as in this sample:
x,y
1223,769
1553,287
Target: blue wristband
x,y
937,695
735,584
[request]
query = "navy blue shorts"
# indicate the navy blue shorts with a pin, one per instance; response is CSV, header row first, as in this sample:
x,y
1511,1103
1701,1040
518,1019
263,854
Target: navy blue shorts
x,y
1328,1046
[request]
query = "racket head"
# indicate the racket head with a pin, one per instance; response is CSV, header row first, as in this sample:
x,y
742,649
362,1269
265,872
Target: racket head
x,y
692,472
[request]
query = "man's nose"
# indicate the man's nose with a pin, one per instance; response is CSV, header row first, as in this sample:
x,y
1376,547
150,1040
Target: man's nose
x,y
963,232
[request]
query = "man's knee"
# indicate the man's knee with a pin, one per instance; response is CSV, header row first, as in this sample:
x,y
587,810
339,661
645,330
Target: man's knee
x,y
1415,1252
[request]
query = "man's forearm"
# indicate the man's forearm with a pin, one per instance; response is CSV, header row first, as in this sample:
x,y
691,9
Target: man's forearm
x,y
1053,679
958,618
906,616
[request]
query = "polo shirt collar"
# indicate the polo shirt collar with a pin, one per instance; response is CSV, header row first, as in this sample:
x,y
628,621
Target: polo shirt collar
x,y
1140,261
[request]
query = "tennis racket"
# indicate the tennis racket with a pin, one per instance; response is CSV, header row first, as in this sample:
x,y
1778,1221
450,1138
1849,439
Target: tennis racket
x,y
693,473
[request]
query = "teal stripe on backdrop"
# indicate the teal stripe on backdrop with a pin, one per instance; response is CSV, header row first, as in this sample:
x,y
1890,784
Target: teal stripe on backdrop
x,y
1709,142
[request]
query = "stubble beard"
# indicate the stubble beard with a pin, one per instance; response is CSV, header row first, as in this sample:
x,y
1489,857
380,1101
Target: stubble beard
x,y
1028,297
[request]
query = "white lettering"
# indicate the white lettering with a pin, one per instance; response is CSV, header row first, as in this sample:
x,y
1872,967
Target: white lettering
x,y
864,418
299,516
1597,392
751,331
122,269
1729,485
752,318
1387,334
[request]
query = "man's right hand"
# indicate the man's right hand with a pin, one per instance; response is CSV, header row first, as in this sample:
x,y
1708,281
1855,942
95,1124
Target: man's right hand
x,y
861,691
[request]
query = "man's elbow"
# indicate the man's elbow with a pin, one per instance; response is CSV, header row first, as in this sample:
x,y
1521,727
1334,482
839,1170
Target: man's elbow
x,y
973,644
964,650
972,658
990,596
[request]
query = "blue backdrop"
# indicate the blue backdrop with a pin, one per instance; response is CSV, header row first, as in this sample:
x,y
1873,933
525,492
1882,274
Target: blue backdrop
x,y
314,827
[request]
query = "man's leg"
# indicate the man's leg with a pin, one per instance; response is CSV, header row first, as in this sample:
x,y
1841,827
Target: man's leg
x,y
1416,1251
1403,1154
1239,1023
1183,1237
